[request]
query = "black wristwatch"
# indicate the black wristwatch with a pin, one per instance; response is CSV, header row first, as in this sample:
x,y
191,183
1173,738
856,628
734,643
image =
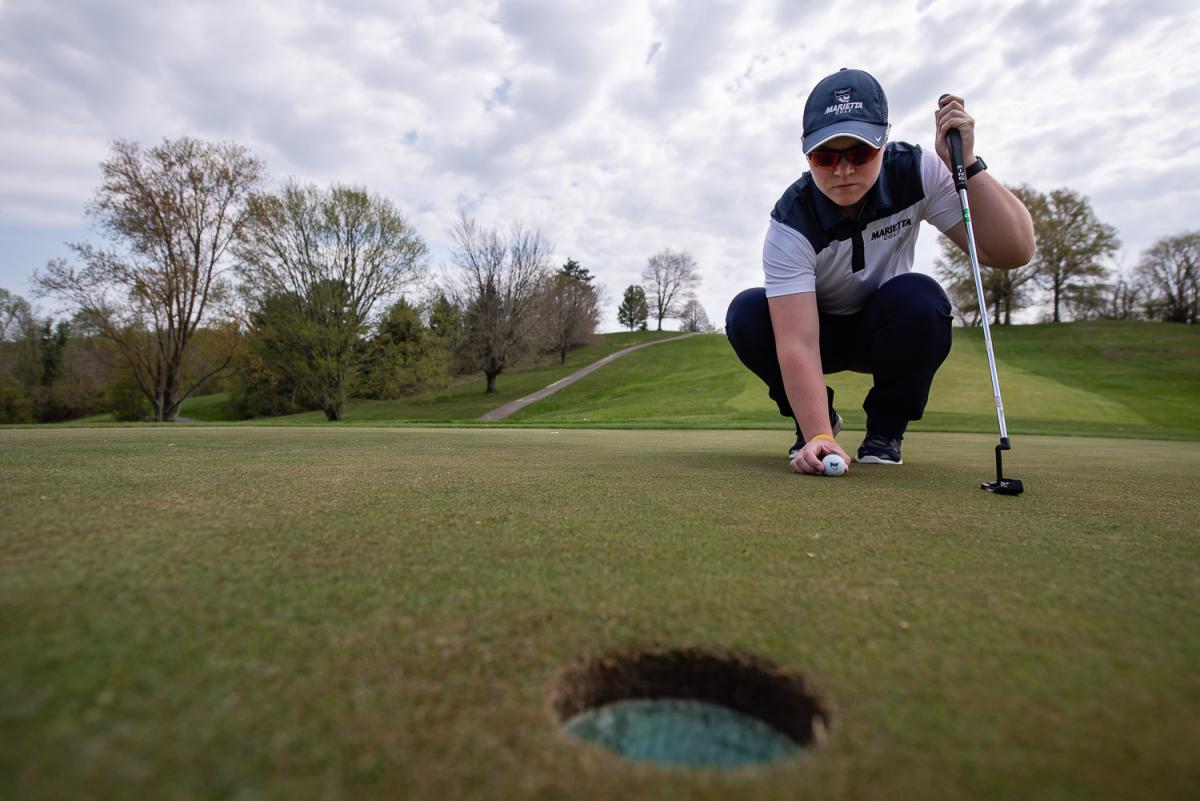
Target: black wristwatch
x,y
979,166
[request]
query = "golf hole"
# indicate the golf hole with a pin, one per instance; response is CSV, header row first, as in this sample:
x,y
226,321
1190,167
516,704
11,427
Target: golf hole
x,y
689,707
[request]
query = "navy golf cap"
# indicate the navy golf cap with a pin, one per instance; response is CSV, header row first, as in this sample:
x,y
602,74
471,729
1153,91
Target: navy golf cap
x,y
847,103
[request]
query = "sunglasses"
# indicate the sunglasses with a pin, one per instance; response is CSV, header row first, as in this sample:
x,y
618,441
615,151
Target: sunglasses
x,y
857,156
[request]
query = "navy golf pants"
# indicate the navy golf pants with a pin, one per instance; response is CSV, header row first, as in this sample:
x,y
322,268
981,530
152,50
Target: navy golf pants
x,y
901,337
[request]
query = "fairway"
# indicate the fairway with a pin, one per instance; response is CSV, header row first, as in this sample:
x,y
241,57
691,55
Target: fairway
x,y
353,612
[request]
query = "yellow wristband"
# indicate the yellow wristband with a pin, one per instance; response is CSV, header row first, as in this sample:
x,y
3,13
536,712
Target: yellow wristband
x,y
822,436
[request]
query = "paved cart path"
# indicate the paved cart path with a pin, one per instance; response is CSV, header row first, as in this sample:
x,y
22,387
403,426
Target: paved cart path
x,y
501,412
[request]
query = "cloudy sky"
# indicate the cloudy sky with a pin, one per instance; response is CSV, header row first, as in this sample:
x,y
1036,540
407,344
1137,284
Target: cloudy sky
x,y
618,130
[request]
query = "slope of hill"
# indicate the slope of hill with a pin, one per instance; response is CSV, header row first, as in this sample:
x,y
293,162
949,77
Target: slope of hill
x,y
1128,379
1098,379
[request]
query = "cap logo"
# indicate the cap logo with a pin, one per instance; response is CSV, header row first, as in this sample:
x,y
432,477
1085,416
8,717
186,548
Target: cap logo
x,y
842,103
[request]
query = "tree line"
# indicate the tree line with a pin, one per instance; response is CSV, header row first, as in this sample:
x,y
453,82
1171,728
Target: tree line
x,y
290,300
1071,276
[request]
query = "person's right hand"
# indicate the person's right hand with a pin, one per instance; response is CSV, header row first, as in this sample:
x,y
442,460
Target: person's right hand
x,y
808,460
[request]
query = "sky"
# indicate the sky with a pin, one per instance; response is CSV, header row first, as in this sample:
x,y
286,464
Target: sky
x,y
617,128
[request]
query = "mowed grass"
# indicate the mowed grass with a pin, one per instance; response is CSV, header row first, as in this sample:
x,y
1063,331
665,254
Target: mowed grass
x,y
205,612
1090,379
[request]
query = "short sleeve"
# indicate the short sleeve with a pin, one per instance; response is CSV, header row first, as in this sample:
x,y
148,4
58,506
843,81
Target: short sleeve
x,y
942,208
788,261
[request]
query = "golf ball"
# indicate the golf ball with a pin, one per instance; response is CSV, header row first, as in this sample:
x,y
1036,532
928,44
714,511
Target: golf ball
x,y
834,465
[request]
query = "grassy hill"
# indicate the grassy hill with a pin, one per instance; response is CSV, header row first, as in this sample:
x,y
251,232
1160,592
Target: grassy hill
x,y
1102,378
1094,379
463,402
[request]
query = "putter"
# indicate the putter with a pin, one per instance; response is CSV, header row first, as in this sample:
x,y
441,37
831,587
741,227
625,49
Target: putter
x,y
1002,485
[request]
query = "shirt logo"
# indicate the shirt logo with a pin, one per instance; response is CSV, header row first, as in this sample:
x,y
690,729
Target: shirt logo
x,y
892,231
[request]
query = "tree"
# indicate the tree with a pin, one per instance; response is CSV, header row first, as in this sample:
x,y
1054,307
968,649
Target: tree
x,y
170,213
445,320
257,389
571,309
311,342
1072,246
633,311
14,400
404,356
15,316
1124,297
668,278
52,346
447,325
320,260
19,332
694,318
1005,291
499,286
1170,271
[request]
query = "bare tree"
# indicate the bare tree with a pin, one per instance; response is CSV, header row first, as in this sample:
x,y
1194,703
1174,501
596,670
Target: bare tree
x,y
319,261
498,285
668,279
19,331
172,212
15,316
1170,270
1124,298
694,318
1072,247
571,309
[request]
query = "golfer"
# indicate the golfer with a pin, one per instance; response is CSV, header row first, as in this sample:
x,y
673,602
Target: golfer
x,y
839,289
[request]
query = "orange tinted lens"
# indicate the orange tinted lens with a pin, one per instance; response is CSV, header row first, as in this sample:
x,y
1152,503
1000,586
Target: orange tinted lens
x,y
860,155
857,156
824,158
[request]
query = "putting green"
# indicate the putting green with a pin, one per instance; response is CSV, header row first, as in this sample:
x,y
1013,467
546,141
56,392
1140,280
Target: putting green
x,y
349,612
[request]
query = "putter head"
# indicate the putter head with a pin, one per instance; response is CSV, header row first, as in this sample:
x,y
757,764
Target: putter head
x,y
1004,486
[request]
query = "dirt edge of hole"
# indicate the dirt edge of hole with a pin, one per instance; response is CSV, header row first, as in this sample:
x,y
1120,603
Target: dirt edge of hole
x,y
742,682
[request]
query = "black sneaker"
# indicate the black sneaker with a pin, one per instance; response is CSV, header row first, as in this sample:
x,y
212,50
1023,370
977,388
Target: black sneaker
x,y
876,449
835,424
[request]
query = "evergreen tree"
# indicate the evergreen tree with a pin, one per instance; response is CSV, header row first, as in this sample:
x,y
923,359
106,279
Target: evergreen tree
x,y
571,308
404,356
633,311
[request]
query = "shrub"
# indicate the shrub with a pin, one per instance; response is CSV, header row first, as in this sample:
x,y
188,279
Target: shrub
x,y
14,402
125,399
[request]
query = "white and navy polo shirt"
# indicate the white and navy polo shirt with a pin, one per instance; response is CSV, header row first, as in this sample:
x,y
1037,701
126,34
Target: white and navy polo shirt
x,y
812,246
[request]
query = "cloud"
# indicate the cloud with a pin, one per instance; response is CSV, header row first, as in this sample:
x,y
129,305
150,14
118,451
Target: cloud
x,y
620,128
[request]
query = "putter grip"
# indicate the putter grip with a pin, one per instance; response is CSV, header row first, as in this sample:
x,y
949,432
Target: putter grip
x,y
959,170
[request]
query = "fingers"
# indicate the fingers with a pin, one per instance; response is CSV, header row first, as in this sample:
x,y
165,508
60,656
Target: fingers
x,y
951,113
808,460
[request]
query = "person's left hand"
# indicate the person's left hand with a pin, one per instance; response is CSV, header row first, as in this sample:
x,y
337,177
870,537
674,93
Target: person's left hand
x,y
952,114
